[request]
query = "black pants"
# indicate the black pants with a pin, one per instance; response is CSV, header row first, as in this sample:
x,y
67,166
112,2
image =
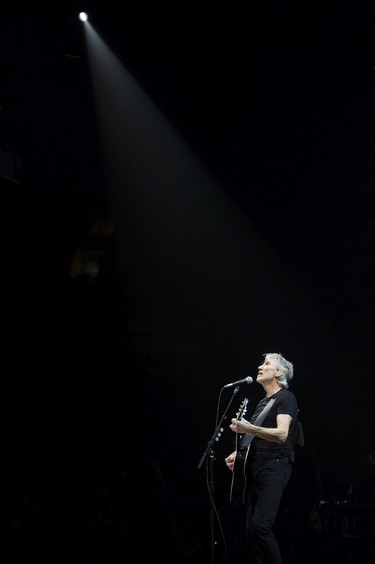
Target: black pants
x,y
266,482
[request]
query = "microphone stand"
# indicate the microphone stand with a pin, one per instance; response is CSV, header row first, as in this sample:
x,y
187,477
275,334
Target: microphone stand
x,y
209,456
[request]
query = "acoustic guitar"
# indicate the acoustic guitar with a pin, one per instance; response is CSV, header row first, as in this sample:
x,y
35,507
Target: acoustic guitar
x,y
238,485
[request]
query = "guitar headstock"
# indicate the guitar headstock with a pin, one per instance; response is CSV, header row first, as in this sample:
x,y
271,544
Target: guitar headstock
x,y
242,409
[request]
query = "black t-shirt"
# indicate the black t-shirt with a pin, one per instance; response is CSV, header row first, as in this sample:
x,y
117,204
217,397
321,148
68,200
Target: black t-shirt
x,y
285,403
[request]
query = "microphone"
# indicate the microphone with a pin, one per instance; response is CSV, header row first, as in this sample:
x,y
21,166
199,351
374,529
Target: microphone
x,y
247,380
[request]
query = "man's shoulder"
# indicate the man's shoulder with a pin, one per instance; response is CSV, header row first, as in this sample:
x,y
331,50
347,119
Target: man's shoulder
x,y
286,397
284,392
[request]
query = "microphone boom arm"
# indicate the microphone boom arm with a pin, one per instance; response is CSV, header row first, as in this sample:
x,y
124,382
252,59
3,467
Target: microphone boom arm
x,y
217,433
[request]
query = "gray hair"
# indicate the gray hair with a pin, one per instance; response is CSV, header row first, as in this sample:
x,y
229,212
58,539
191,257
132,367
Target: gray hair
x,y
284,366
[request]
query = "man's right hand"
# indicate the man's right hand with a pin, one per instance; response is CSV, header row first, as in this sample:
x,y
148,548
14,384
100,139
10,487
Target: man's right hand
x,y
229,461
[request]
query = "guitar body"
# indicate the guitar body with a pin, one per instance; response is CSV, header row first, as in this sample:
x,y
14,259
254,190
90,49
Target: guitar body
x,y
238,486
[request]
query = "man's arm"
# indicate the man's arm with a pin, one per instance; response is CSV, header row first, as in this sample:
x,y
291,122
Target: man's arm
x,y
277,434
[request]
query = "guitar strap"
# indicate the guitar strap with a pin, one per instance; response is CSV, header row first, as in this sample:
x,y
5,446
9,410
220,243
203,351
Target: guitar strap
x,y
246,439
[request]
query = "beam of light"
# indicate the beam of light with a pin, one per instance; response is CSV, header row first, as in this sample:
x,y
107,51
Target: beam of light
x,y
181,233
83,16
194,269
191,257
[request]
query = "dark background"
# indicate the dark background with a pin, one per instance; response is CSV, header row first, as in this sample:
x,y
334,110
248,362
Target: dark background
x,y
103,373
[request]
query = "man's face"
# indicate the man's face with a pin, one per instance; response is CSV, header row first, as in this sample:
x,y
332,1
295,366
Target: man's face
x,y
267,371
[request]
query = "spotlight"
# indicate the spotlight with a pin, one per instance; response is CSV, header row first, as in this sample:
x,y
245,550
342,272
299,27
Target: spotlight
x,y
83,16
